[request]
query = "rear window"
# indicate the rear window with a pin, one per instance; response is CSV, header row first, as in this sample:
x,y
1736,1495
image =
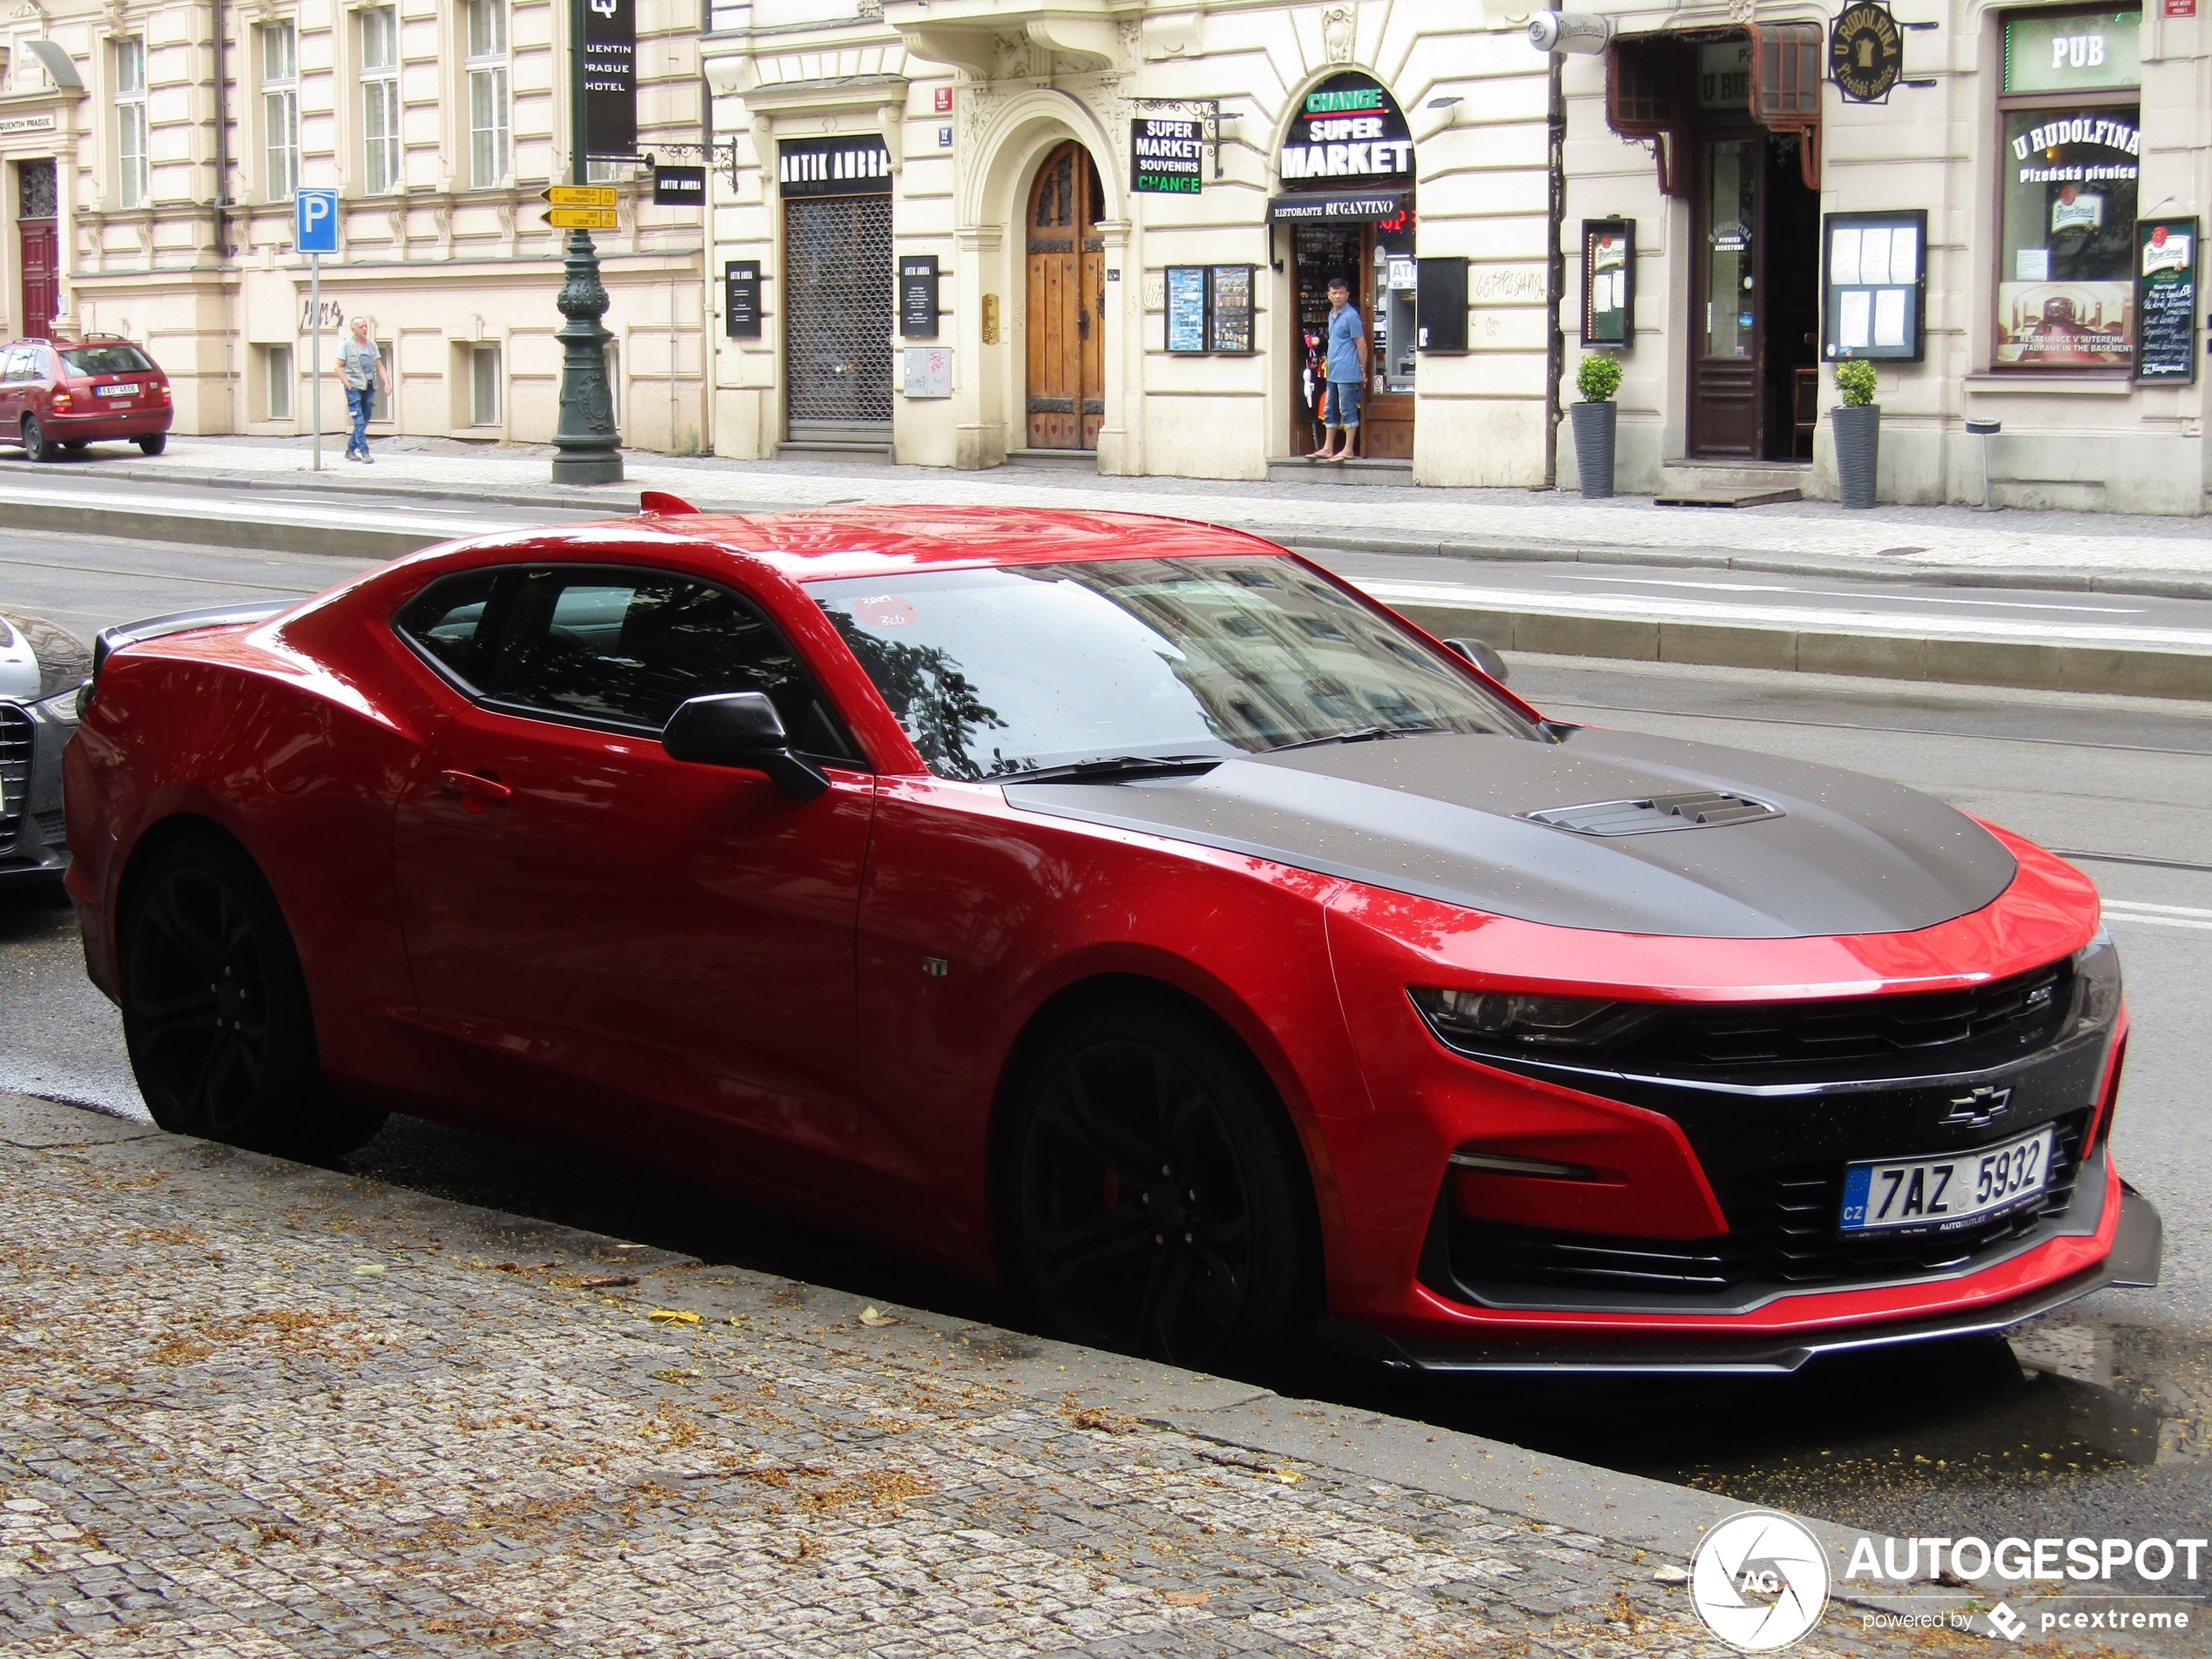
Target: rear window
x,y
109,359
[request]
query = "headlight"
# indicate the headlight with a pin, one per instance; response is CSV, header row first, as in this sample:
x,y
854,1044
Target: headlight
x,y
1509,1022
60,709
2097,966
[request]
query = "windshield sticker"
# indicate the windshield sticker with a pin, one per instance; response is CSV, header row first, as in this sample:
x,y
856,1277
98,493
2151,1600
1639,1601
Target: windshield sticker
x,y
884,610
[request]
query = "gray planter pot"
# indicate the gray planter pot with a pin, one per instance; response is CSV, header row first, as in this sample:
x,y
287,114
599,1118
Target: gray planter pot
x,y
1858,448
1594,445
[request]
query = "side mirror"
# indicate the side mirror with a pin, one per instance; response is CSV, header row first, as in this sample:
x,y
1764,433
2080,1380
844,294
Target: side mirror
x,y
1484,656
740,729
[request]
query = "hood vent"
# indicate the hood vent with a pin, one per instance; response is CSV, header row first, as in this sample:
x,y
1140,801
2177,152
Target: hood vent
x,y
1704,809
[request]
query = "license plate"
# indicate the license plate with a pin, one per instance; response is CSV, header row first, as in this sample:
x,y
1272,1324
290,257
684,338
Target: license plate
x,y
1942,1194
131,390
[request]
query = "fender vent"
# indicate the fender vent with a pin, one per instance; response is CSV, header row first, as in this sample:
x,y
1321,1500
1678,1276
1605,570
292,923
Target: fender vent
x,y
1704,809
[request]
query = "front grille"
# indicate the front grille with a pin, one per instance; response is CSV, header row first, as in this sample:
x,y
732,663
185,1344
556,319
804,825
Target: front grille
x,y
1924,1032
15,771
52,826
1783,1236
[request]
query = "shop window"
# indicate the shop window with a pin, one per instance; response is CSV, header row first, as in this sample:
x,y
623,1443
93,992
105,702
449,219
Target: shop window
x,y
2069,160
130,121
379,81
276,381
281,110
483,386
488,104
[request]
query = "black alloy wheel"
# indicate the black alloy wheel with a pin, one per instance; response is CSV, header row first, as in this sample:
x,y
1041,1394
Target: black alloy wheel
x,y
215,1010
153,443
1161,1205
36,443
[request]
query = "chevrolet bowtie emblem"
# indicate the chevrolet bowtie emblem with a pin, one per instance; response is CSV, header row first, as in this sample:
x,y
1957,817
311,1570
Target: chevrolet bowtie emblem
x,y
1983,1106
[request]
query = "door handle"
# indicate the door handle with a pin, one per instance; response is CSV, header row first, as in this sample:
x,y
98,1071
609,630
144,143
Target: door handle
x,y
477,793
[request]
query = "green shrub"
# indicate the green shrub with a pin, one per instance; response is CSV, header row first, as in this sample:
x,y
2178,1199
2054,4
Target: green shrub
x,y
1855,379
1598,379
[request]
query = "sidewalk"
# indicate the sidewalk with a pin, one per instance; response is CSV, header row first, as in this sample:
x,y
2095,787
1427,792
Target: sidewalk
x,y
253,1409
2070,550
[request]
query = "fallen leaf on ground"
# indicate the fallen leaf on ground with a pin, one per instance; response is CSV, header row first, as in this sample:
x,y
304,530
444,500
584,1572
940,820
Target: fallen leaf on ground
x,y
1289,1477
1672,1574
877,1317
673,1316
365,1268
1186,1598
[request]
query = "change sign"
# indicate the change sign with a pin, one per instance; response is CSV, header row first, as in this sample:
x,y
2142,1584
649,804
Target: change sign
x,y
609,77
1166,156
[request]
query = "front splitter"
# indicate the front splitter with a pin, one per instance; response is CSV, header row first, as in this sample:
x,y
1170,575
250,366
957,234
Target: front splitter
x,y
2134,1262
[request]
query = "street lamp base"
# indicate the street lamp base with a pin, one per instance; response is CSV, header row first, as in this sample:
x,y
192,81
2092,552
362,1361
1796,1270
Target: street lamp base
x,y
587,470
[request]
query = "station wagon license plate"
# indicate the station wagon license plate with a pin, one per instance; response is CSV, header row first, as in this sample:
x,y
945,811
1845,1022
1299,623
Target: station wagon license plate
x,y
1940,1194
131,390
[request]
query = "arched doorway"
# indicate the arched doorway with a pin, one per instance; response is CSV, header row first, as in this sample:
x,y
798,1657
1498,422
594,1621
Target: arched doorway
x,y
1067,302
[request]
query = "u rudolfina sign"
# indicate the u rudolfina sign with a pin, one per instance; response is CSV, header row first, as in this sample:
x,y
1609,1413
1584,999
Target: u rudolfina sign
x,y
1866,53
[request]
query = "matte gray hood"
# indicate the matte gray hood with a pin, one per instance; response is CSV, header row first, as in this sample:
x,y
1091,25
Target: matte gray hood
x,y
1439,815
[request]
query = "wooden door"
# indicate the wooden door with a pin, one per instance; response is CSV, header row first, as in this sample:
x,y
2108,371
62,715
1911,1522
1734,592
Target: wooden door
x,y
1728,300
39,248
1067,303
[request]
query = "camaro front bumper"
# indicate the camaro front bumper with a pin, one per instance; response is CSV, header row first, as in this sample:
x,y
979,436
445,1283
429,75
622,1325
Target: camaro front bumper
x,y
2133,1262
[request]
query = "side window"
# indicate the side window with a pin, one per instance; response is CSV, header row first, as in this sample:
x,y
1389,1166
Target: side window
x,y
447,621
631,647
19,365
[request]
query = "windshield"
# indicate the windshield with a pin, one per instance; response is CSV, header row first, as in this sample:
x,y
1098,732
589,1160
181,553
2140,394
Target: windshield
x,y
109,359
998,671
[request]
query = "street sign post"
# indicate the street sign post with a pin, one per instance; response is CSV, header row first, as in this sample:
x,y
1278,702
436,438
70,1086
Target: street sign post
x,y
579,196
603,122
315,232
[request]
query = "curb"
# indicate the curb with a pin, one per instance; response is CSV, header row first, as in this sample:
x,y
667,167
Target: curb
x,y
1871,655
1889,657
621,501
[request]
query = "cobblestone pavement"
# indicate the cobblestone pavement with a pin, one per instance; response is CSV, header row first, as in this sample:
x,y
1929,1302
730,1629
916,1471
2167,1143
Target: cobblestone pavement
x,y
1934,539
248,1408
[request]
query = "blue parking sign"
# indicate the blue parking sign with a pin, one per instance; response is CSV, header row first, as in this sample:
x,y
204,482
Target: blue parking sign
x,y
314,221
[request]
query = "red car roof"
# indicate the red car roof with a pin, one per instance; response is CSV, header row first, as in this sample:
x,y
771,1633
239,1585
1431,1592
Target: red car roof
x,y
875,540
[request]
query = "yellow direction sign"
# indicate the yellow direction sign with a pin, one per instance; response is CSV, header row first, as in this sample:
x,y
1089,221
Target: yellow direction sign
x,y
581,196
581,218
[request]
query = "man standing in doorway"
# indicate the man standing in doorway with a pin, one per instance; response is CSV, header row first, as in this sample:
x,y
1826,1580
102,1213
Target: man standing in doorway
x,y
362,367
1347,370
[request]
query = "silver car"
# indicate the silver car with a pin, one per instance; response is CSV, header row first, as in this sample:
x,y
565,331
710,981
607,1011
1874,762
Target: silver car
x,y
41,668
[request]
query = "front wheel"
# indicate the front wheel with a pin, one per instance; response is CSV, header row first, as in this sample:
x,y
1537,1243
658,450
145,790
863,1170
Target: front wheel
x,y
1160,1203
215,1010
36,443
153,443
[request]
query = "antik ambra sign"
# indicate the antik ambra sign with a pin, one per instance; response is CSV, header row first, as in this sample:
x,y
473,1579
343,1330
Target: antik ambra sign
x,y
1350,129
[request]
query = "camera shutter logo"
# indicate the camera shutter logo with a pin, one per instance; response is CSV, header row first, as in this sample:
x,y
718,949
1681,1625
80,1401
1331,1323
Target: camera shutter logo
x,y
1760,1581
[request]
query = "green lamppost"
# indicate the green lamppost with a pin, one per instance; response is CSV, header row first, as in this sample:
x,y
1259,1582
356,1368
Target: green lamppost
x,y
586,448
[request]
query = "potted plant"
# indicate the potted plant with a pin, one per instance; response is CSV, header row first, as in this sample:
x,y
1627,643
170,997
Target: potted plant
x,y
1597,380
1859,432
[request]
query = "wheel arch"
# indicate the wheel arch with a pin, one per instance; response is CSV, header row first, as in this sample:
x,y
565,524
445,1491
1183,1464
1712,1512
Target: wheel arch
x,y
1105,989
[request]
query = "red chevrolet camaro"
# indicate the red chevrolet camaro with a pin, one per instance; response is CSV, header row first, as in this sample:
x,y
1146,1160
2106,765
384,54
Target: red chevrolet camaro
x,y
1123,907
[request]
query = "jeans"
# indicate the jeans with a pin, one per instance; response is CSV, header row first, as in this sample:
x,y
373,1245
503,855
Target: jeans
x,y
358,399
1343,408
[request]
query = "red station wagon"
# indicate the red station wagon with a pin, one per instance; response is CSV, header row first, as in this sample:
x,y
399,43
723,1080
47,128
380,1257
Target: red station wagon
x,y
58,394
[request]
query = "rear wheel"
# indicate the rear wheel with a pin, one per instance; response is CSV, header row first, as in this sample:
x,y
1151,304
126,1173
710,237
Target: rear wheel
x,y
36,443
153,443
215,1011
1160,1204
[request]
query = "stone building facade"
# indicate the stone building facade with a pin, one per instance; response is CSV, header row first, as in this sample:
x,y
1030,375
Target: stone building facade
x,y
148,155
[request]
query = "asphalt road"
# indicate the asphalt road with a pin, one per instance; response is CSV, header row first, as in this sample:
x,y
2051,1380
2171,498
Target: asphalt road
x,y
2098,1420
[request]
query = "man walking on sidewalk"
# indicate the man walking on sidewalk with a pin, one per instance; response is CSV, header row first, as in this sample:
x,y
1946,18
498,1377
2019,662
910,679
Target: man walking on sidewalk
x,y
1347,371
362,367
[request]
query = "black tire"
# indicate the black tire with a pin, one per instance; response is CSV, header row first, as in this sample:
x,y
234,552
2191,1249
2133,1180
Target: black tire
x,y
1158,1201
153,443
234,1062
36,443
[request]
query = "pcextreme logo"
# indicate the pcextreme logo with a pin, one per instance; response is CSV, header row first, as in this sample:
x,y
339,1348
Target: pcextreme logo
x,y
1760,1581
